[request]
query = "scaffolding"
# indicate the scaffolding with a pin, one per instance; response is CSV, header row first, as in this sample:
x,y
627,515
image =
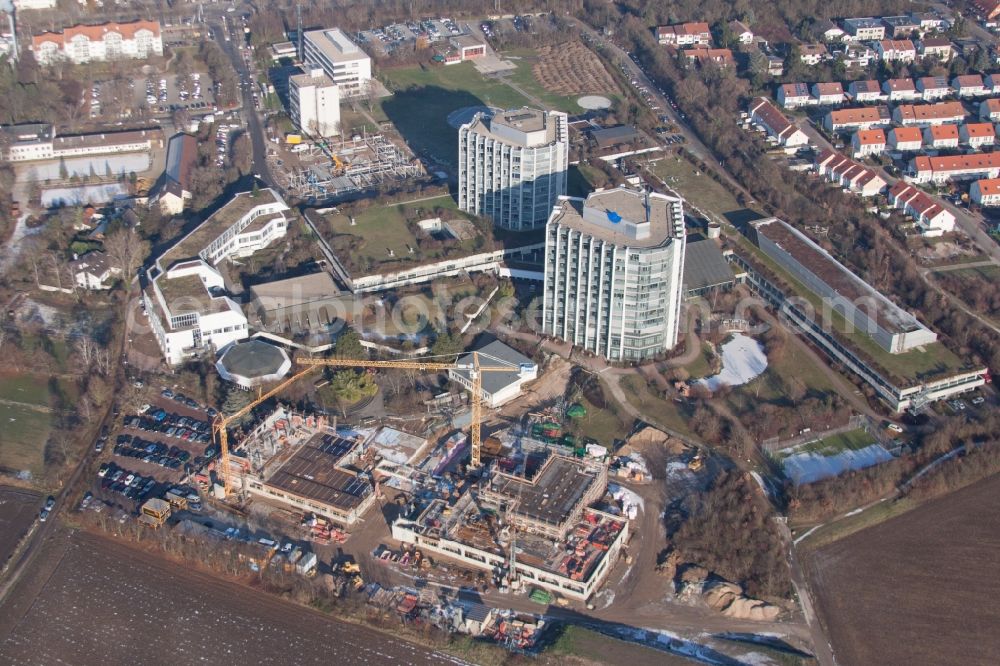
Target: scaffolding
x,y
350,165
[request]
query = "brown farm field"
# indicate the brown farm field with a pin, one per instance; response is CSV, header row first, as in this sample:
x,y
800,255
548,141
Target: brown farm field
x,y
918,589
93,601
572,69
18,509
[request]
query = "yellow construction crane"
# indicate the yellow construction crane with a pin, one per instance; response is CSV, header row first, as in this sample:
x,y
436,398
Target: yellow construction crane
x,y
475,369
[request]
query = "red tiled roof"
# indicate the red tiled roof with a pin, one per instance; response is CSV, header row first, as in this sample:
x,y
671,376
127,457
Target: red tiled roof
x,y
907,134
871,137
989,186
937,111
978,130
943,132
97,32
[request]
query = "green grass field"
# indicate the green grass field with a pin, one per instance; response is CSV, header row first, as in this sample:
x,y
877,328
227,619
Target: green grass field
x,y
384,228
701,365
601,424
24,430
424,96
701,190
834,444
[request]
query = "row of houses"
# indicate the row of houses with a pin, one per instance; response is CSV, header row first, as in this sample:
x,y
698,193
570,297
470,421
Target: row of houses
x,y
904,115
931,218
945,168
927,89
848,174
873,142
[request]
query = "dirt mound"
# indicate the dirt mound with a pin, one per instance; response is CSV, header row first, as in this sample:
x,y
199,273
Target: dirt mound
x,y
723,596
572,69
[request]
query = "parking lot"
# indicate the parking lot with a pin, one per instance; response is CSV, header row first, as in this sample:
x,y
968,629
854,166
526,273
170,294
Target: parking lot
x,y
167,441
164,94
388,38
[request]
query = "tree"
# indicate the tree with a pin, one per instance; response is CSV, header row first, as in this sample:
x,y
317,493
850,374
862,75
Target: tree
x,y
126,252
347,387
236,399
349,345
241,154
447,344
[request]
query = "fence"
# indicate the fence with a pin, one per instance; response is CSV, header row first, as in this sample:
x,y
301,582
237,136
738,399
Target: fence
x,y
856,422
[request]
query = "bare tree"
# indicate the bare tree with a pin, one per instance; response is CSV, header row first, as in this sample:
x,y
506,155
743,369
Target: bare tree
x,y
126,252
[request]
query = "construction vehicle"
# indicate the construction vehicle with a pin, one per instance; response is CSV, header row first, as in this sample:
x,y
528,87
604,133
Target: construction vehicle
x,y
696,463
293,139
338,165
220,426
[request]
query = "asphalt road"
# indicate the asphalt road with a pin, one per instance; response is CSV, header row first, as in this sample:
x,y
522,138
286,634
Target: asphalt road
x,y
254,127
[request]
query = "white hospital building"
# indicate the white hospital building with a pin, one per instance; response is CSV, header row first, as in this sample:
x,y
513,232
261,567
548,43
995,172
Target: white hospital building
x,y
342,60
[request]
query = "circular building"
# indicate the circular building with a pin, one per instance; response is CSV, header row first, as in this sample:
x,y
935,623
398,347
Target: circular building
x,y
251,363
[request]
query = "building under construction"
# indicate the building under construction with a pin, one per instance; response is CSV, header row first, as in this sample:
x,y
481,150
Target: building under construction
x,y
328,169
538,530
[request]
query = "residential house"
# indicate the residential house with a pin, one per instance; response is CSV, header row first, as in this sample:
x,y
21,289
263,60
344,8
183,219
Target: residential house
x,y
969,85
865,91
988,10
942,169
813,54
900,27
864,29
933,87
866,143
845,172
931,217
985,192
896,50
832,32
702,55
906,139
828,94
989,110
93,271
857,118
922,115
741,32
900,90
992,84
684,34
857,56
936,47
794,95
941,137
777,126
930,22
977,135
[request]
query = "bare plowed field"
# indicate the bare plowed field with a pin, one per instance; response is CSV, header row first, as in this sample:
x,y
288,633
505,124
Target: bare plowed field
x,y
919,589
572,69
107,604
18,509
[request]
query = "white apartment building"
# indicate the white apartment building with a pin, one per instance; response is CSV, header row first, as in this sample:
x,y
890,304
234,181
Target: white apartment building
x,y
614,266
512,166
189,311
185,298
314,103
342,60
34,4
107,41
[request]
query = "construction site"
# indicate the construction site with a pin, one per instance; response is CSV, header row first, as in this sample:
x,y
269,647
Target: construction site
x,y
519,506
326,169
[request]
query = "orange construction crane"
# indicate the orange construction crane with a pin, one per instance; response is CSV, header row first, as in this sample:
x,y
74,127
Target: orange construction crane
x,y
475,369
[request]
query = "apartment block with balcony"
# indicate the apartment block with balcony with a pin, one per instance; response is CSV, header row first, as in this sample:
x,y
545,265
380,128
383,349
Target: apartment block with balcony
x,y
512,166
614,266
314,103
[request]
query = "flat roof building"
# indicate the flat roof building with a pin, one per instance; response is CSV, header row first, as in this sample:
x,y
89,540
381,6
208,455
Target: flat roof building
x,y
614,266
314,103
498,387
892,328
512,166
252,363
342,60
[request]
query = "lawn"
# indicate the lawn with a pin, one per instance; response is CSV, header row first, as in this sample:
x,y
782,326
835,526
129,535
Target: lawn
x,y
425,95
24,430
580,179
701,365
524,78
578,642
695,186
669,413
770,386
381,229
601,424
853,440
